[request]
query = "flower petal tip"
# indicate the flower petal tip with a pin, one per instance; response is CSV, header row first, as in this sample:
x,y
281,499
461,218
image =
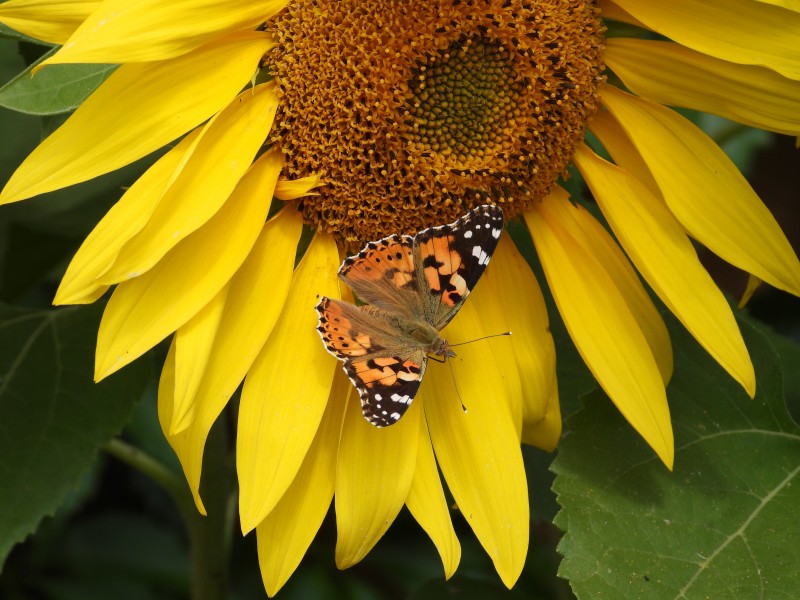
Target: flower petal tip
x,y
753,283
744,375
344,562
9,196
100,374
103,367
349,555
247,522
668,457
198,503
509,577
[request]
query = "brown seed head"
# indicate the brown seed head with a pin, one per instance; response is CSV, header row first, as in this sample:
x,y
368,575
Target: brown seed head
x,y
414,111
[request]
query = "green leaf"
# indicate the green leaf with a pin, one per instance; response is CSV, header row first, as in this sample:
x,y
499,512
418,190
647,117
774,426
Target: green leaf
x,y
722,525
790,353
41,252
55,89
52,415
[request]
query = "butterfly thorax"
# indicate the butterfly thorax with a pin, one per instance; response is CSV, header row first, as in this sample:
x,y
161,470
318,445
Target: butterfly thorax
x,y
429,339
425,336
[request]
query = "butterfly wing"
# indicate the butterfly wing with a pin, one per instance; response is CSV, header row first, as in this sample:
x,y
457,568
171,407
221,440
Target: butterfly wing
x,y
450,259
427,277
383,274
385,369
386,385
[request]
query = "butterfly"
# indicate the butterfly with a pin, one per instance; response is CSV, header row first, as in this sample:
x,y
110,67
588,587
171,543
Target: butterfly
x,y
413,287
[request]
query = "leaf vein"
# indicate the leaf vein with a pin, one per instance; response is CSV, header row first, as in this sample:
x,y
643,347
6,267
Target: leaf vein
x,y
739,533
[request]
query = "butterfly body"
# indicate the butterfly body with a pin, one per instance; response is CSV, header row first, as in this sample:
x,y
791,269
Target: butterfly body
x,y
413,287
417,333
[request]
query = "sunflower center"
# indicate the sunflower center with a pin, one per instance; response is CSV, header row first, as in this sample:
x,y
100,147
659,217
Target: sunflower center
x,y
464,104
414,111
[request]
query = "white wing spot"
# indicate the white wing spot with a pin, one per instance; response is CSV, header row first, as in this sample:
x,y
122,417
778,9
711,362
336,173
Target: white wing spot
x,y
378,397
478,252
496,233
401,399
467,234
395,416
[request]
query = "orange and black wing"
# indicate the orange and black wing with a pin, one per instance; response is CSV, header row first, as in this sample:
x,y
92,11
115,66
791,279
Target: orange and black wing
x,y
385,370
383,274
450,259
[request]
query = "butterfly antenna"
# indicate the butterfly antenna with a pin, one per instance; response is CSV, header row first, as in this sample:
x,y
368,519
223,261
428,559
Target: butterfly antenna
x,y
481,338
452,372
455,384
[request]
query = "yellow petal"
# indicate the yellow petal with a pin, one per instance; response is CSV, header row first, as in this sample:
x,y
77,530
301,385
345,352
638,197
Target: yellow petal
x,y
428,505
625,154
145,310
224,152
609,10
120,31
595,239
166,398
788,4
286,390
666,258
286,533
677,76
194,343
545,434
500,350
753,283
478,451
745,32
705,190
374,471
600,323
292,189
47,20
138,109
615,140
514,302
256,296
125,219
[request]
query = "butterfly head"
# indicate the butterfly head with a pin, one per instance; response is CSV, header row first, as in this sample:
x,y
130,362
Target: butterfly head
x,y
441,347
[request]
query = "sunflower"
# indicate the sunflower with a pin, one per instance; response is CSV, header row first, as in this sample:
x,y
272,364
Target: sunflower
x,y
369,118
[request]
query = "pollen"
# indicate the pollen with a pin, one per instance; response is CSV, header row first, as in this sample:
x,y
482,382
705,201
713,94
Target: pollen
x,y
415,111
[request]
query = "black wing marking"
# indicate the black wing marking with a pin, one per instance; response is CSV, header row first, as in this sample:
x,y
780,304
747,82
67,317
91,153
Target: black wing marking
x,y
450,259
387,385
